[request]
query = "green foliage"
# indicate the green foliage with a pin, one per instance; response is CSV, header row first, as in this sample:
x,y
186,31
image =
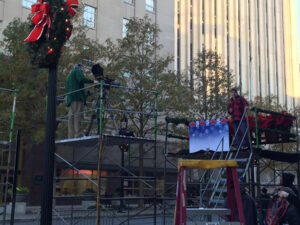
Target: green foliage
x,y
212,84
18,73
136,62
47,51
19,190
268,103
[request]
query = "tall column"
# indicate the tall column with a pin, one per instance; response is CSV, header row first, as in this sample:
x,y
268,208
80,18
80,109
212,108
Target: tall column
x,y
48,166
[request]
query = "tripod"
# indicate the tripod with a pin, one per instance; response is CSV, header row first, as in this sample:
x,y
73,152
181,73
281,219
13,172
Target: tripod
x,y
96,113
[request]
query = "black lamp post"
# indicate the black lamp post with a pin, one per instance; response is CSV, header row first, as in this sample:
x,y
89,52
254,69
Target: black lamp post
x,y
123,123
48,167
123,148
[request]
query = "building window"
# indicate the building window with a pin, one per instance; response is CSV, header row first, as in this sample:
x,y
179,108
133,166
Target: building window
x,y
124,27
150,5
150,38
28,3
89,16
129,1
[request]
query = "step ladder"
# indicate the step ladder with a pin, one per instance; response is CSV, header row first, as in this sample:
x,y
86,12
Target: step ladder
x,y
233,189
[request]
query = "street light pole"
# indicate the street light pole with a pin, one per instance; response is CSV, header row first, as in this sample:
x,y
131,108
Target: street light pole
x,y
123,148
48,166
122,183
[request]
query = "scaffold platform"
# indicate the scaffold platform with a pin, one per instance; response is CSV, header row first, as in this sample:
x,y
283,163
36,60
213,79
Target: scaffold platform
x,y
109,140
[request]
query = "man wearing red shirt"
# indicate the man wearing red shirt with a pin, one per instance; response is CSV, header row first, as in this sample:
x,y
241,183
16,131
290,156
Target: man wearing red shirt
x,y
236,107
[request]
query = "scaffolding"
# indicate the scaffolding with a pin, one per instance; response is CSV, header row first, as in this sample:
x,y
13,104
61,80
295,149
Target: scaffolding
x,y
116,167
282,132
7,158
207,189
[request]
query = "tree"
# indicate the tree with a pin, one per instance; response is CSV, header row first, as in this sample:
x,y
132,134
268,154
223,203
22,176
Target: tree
x,y
268,103
17,73
212,84
136,63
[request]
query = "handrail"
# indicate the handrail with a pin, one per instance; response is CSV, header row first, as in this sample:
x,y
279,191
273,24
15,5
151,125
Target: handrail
x,y
245,170
257,128
231,155
9,90
177,120
209,179
272,112
276,131
108,85
81,89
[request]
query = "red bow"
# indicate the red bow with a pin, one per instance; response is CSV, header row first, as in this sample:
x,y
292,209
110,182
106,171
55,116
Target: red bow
x,y
72,5
40,18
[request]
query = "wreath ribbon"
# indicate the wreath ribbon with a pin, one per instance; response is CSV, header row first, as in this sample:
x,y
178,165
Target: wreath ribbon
x,y
40,18
72,5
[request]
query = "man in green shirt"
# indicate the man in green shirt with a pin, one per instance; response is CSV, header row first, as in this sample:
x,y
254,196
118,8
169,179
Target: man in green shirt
x,y
76,100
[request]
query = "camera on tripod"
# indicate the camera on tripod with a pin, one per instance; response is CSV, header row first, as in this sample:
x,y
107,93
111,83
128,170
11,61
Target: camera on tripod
x,y
98,73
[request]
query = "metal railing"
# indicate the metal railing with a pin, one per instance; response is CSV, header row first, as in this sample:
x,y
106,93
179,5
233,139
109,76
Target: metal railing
x,y
219,184
106,113
6,154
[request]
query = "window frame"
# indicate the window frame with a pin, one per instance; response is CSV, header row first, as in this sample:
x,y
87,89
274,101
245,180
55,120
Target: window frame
x,y
87,21
124,28
131,2
150,7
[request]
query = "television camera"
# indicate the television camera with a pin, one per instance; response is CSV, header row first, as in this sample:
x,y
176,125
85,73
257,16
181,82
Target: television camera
x,y
98,73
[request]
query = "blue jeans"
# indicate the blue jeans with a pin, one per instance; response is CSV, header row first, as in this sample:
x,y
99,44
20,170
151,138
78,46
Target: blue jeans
x,y
240,134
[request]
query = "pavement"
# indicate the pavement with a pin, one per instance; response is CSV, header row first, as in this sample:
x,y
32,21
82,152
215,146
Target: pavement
x,y
66,214
81,215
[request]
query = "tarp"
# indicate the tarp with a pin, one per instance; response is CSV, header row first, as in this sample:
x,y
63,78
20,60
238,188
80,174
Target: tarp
x,y
208,135
280,156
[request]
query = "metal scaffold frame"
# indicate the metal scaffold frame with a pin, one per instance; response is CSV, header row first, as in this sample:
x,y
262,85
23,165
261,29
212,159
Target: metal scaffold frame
x,y
204,185
103,139
262,163
252,159
7,168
